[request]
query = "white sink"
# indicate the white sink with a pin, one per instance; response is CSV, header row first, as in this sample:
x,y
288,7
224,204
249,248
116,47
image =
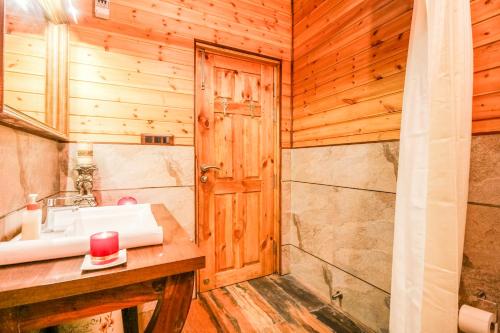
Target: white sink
x,y
69,232
87,221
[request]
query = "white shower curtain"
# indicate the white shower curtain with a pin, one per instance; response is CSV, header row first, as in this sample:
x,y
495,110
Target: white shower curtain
x,y
431,198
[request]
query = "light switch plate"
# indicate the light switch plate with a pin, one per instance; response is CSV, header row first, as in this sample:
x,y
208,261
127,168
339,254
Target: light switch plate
x,y
102,9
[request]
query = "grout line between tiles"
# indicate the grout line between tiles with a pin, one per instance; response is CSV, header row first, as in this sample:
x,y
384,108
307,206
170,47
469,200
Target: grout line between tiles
x,y
343,270
132,188
379,191
39,199
346,187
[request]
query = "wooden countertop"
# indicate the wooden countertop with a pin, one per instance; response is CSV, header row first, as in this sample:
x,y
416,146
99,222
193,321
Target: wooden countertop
x,y
47,280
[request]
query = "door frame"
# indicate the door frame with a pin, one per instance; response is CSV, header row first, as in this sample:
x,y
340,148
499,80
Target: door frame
x,y
277,63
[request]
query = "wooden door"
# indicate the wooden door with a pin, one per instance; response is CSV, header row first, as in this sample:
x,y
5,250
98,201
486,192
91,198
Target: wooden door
x,y
235,107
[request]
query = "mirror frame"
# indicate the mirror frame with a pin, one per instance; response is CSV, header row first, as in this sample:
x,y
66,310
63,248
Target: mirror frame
x,y
13,118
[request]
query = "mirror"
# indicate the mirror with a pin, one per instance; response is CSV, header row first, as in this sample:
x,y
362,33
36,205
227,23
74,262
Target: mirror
x,y
127,84
35,61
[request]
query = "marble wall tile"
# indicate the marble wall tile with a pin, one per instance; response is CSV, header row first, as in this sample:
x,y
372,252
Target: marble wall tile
x,y
370,166
362,301
286,164
29,164
484,180
10,224
285,212
285,259
351,229
481,261
132,166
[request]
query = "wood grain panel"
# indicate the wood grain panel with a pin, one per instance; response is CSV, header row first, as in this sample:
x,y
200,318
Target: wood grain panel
x,y
25,101
119,109
268,304
224,221
252,214
371,108
106,92
130,78
121,138
349,69
484,9
138,67
224,145
25,63
99,57
486,106
236,203
486,36
101,125
32,45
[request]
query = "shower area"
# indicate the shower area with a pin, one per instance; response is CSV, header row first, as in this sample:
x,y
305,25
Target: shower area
x,y
346,214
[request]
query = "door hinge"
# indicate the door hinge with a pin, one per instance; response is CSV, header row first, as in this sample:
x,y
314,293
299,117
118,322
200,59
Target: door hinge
x,y
202,65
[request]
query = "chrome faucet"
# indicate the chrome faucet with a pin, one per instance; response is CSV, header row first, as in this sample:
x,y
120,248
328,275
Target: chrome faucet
x,y
53,206
53,202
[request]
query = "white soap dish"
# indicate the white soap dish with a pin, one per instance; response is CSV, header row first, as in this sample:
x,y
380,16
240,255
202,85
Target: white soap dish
x,y
87,264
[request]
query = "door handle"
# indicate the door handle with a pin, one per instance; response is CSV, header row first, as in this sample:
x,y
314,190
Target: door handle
x,y
204,168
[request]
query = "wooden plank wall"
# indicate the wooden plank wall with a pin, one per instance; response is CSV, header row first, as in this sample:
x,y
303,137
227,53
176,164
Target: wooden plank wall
x,y
25,55
486,36
134,73
349,67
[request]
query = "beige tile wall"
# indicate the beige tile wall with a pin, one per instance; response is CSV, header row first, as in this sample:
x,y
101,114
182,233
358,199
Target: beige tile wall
x,y
28,164
338,215
338,228
286,186
151,174
481,263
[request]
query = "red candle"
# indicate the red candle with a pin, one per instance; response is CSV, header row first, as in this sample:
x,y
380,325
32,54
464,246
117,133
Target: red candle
x,y
127,201
104,247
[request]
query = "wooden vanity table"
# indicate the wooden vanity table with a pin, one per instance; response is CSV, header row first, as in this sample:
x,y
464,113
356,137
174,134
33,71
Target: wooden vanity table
x,y
41,294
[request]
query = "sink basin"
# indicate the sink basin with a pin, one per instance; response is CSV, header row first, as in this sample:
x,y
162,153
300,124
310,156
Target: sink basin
x,y
87,221
69,231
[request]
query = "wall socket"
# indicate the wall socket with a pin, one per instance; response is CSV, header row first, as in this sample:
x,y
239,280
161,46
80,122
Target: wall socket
x,y
153,139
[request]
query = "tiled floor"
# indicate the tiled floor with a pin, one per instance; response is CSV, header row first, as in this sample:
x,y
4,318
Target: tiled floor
x,y
268,304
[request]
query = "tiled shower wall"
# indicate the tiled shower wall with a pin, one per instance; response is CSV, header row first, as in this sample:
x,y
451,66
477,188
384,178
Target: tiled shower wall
x,y
340,227
481,261
338,216
151,174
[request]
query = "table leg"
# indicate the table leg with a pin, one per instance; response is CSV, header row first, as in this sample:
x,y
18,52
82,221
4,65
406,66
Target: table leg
x,y
130,320
8,319
172,308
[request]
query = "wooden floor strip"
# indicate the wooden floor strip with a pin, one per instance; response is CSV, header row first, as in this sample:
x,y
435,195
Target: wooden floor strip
x,y
324,312
268,304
